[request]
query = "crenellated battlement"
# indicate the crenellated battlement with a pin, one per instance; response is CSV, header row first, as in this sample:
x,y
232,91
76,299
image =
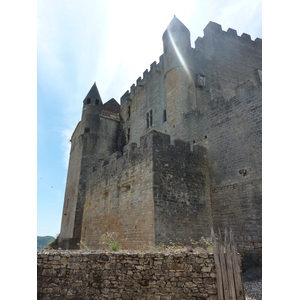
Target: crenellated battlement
x,y
142,81
212,28
149,143
216,30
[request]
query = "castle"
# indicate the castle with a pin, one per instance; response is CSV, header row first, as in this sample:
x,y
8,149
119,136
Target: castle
x,y
180,154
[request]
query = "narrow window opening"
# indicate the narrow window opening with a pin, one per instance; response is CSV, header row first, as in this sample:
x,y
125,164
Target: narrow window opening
x,y
205,137
164,115
151,117
97,102
148,120
128,112
128,134
86,130
88,100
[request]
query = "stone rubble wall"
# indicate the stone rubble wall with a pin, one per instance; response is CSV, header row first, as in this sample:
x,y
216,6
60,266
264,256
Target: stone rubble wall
x,y
98,274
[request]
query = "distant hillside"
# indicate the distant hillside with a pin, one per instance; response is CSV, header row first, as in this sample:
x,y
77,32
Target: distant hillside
x,y
42,241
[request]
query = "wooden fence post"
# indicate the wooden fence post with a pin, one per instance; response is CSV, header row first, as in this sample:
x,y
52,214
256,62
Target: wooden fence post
x,y
229,267
217,266
229,279
223,266
239,288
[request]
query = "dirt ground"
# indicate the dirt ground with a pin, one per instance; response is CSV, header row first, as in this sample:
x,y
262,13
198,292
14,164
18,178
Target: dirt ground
x,y
253,283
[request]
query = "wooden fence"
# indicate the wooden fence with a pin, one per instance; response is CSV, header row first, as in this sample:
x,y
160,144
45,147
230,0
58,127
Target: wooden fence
x,y
229,276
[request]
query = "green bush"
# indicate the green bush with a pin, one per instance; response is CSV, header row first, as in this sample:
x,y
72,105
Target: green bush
x,y
53,244
42,241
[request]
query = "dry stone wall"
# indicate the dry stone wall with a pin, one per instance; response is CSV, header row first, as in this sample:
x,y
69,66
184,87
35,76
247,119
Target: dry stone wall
x,y
125,275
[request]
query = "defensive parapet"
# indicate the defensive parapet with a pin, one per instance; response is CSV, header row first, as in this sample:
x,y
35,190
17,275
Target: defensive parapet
x,y
216,29
141,82
149,142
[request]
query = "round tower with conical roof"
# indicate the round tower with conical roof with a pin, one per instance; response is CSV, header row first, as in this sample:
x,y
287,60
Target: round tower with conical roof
x,y
178,73
177,46
92,105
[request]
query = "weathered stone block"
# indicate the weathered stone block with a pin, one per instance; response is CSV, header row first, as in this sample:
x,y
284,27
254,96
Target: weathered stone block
x,y
206,269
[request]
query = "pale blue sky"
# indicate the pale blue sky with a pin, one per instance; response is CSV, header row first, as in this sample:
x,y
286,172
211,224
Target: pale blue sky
x,y
51,55
112,43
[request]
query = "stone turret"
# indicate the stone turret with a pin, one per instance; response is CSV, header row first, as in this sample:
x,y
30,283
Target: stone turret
x,y
85,152
177,46
178,73
91,111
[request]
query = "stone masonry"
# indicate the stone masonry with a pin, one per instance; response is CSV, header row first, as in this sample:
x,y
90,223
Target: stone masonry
x,y
126,275
180,154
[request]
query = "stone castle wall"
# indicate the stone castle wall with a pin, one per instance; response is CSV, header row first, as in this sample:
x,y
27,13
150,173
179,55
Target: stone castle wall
x,y
201,168
148,94
232,136
182,207
87,149
71,193
149,195
119,198
233,139
226,59
104,275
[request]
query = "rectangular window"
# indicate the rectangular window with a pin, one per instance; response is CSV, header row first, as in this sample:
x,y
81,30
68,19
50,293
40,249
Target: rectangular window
x,y
97,102
128,112
88,100
148,120
86,130
164,115
150,117
128,134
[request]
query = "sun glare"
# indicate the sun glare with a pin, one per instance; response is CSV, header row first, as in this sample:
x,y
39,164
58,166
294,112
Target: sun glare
x,y
180,57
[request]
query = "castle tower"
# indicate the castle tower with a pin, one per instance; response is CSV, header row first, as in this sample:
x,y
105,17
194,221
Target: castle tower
x,y
92,105
178,72
177,46
85,152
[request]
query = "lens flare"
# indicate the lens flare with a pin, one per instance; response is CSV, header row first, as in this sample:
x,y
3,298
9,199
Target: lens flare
x,y
179,55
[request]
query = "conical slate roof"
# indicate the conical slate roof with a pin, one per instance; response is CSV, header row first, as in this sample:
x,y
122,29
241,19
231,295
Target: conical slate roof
x,y
177,25
93,93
